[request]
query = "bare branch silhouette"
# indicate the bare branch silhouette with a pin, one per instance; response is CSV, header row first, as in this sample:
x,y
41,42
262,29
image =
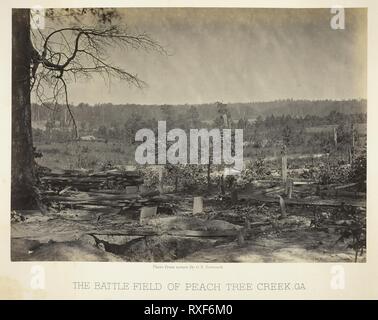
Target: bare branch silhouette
x,y
69,53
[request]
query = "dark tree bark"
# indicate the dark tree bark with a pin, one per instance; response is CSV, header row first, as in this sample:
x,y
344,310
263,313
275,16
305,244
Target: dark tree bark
x,y
23,176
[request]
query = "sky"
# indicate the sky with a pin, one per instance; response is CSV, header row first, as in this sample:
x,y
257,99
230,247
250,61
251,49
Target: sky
x,y
237,55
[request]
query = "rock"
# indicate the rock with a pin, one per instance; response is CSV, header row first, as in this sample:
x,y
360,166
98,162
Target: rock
x,y
88,239
101,246
146,213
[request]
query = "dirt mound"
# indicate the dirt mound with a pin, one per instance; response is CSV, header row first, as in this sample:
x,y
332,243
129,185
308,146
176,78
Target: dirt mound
x,y
63,251
220,225
164,248
21,248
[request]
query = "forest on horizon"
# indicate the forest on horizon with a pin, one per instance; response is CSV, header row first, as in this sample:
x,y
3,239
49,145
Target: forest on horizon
x,y
115,114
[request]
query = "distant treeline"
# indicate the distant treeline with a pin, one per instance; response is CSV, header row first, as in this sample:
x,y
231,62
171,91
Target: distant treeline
x,y
111,115
337,128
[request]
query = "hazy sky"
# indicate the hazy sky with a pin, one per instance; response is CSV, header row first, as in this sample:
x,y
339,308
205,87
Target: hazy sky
x,y
238,55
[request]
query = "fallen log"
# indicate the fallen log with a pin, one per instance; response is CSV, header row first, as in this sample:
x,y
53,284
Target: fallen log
x,y
85,181
89,196
184,233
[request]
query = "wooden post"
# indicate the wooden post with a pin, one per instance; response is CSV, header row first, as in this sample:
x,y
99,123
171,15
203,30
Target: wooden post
x,y
352,148
335,136
208,174
289,188
221,185
284,167
209,166
284,164
161,179
282,207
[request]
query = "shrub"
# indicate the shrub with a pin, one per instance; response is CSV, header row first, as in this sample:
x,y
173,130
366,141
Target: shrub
x,y
358,172
254,170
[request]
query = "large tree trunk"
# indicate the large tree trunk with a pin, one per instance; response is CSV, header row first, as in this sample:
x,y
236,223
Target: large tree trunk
x,y
23,176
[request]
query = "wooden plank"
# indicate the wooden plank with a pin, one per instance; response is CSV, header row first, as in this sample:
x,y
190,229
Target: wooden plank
x,y
320,202
203,233
345,186
302,183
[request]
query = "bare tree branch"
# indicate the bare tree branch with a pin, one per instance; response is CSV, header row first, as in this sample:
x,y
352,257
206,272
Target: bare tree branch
x,y
68,53
68,106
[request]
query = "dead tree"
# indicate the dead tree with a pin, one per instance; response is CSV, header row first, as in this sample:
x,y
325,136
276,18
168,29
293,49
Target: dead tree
x,y
45,62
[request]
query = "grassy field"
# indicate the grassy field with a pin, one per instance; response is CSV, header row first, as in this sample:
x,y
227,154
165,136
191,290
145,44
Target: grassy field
x,y
85,154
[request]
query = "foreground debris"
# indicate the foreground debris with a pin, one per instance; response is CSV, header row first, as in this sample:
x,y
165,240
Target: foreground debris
x,y
108,216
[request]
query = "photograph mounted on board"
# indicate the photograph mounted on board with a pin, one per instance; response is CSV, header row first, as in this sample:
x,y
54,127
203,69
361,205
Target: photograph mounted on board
x,y
189,134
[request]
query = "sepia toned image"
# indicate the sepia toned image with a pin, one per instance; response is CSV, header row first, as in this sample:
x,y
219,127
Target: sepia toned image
x,y
210,135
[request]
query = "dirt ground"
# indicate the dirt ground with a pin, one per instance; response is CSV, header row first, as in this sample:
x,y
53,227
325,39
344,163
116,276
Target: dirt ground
x,y
220,234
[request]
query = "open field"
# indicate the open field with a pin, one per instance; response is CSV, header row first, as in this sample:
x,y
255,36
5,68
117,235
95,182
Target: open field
x,y
85,154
